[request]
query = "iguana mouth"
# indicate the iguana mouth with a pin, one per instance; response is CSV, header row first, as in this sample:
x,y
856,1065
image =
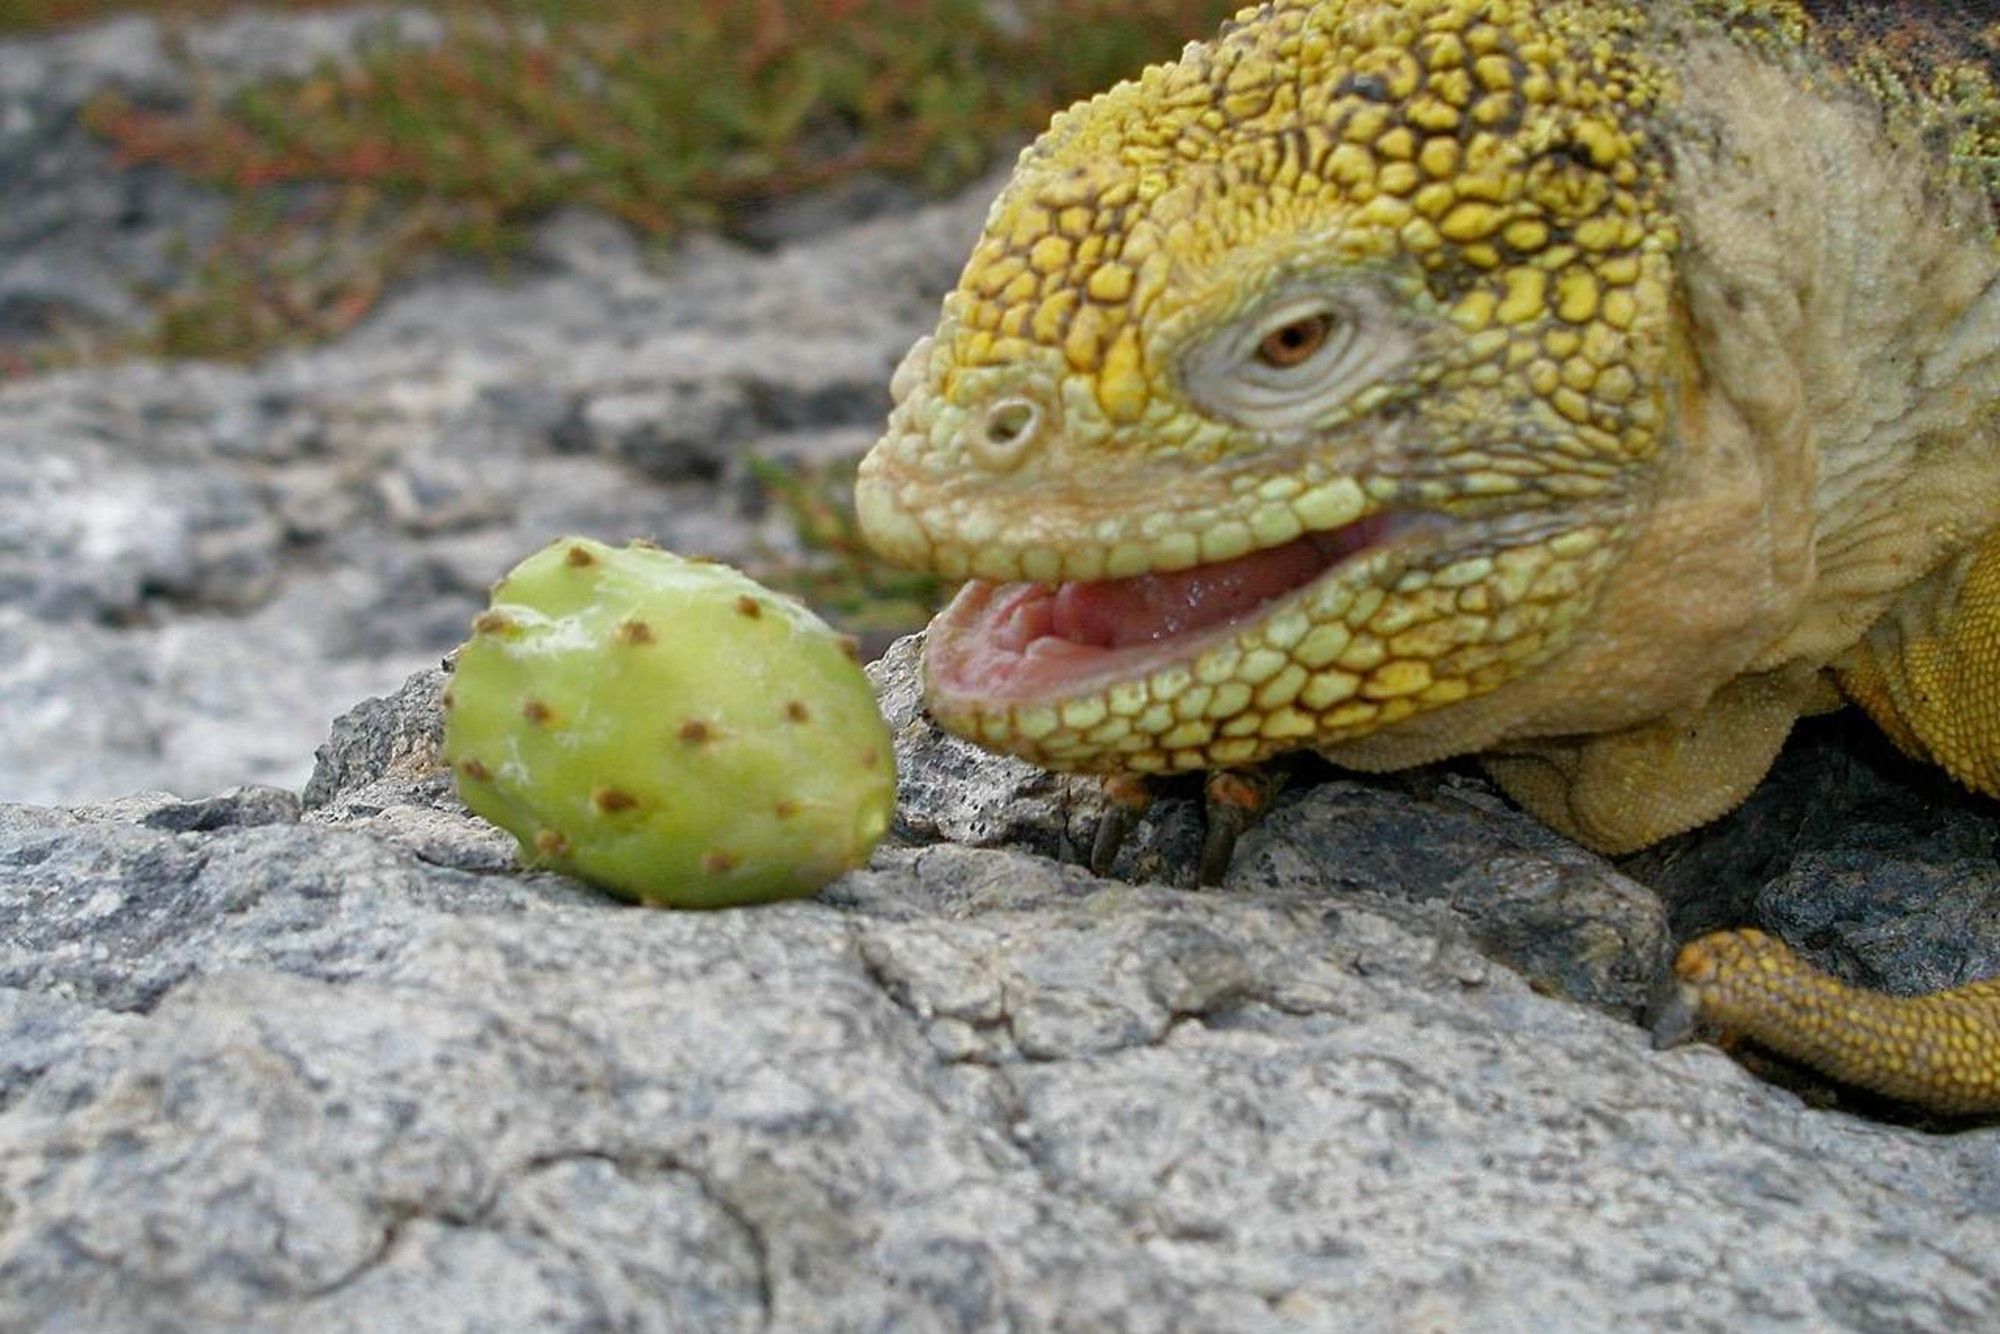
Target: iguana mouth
x,y
1021,642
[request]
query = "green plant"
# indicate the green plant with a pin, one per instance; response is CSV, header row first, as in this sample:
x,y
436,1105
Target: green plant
x,y
665,115
840,575
40,15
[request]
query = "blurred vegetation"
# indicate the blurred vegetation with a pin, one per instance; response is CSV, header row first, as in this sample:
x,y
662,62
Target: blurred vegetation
x,y
840,577
40,15
668,114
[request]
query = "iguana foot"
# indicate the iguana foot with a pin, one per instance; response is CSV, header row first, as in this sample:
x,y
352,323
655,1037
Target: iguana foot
x,y
1232,800
1127,797
1940,1052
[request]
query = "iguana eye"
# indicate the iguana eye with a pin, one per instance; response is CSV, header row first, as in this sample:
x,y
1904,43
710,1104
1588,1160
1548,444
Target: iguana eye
x,y
1293,344
1295,357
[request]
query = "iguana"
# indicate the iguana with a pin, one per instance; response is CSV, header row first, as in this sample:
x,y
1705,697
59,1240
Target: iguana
x,y
1594,385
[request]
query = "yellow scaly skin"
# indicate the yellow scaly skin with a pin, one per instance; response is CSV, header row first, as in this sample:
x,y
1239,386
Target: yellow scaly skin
x,y
1650,352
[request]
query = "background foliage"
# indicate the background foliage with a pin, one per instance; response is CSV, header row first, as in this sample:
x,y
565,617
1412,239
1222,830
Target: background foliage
x,y
667,115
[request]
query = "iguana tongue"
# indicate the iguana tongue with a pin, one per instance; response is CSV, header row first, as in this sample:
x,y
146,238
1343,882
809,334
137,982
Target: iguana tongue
x,y
1117,613
1023,641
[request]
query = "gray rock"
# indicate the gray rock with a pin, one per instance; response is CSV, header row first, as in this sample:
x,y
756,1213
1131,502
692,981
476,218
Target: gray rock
x,y
266,1074
1449,851
771,223
382,773
1562,917
191,703
242,808
1879,869
79,242
381,741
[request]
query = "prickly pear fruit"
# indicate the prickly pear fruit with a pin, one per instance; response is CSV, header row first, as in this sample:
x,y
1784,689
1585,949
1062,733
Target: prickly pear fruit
x,y
667,728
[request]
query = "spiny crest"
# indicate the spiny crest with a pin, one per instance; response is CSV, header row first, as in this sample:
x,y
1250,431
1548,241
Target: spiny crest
x,y
1933,69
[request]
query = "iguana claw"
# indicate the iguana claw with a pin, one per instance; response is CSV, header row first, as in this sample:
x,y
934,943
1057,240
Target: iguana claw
x,y
1232,801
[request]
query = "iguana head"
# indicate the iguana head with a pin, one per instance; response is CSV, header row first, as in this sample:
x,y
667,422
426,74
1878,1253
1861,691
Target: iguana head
x,y
1294,389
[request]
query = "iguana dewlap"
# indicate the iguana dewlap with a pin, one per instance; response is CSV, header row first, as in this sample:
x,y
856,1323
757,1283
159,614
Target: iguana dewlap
x,y
1597,386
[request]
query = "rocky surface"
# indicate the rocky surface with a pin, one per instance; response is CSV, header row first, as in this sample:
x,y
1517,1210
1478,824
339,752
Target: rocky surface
x,y
343,1069
200,565
1879,869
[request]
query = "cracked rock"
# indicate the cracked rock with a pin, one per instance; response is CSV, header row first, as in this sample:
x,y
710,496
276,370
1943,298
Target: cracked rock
x,y
353,1072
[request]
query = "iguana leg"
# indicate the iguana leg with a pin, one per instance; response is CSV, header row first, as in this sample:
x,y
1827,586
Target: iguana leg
x,y
1620,791
1940,1051
1929,673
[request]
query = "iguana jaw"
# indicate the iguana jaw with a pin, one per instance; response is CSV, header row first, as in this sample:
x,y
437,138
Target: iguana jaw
x,y
1360,600
1015,644
1301,645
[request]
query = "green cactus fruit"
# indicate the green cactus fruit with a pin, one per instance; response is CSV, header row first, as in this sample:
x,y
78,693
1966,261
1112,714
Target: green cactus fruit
x,y
667,728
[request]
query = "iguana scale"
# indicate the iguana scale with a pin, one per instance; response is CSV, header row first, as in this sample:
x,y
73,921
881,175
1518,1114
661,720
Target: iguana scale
x,y
1593,385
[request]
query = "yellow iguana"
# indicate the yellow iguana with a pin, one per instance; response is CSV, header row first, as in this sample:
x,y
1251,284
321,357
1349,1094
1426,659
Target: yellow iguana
x,y
1594,385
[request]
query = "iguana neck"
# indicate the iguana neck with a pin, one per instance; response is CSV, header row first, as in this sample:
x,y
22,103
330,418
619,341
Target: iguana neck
x,y
1842,300
1830,442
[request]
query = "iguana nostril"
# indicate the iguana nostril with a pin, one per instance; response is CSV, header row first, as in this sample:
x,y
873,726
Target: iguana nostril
x,y
1007,432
